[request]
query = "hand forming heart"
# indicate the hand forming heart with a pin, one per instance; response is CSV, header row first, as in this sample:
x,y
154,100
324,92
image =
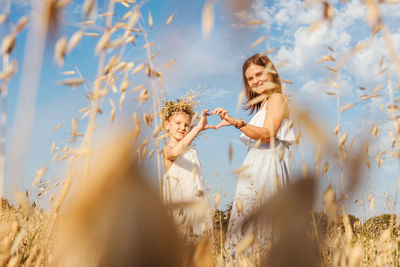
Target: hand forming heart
x,y
203,122
223,114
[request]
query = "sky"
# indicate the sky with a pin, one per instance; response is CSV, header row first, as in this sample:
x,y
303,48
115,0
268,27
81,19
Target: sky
x,y
211,65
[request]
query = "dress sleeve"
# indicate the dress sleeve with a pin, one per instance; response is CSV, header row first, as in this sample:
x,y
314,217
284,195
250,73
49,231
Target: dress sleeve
x,y
247,141
285,133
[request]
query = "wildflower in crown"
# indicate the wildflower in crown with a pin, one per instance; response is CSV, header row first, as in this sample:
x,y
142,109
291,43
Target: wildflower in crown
x,y
172,107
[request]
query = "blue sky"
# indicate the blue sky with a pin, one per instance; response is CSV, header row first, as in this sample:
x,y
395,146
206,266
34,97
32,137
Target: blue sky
x,y
212,64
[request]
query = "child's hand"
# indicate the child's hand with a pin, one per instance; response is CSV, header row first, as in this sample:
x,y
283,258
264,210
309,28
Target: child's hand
x,y
223,114
203,122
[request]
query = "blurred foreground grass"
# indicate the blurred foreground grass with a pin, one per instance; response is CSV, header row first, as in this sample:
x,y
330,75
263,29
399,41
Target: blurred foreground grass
x,y
120,221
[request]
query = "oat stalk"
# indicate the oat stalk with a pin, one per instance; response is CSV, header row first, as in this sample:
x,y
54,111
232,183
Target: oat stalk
x,y
4,92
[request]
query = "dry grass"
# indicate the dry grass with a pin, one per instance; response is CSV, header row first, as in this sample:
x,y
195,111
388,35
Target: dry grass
x,y
106,214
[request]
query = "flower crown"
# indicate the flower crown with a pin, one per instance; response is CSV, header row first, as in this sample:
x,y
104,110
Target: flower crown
x,y
172,107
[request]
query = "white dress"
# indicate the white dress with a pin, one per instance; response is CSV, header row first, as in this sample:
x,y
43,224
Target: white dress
x,y
184,182
267,170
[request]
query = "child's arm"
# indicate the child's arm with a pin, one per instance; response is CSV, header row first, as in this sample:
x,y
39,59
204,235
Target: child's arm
x,y
172,152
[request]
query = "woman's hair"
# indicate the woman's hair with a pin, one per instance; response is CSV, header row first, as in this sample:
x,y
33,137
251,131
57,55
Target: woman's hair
x,y
172,107
264,61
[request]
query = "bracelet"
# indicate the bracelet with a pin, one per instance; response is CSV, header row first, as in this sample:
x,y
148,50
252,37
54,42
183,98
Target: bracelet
x,y
241,124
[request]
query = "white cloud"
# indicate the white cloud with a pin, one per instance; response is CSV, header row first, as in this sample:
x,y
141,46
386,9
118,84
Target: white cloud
x,y
365,64
391,10
311,87
196,58
260,11
296,13
351,12
72,13
315,89
217,92
307,48
380,142
244,16
25,3
302,49
296,45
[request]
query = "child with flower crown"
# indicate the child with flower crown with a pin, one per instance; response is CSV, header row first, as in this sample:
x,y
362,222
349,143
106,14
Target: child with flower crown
x,y
183,180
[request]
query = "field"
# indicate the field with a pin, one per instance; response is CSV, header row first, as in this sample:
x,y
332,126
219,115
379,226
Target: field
x,y
108,225
105,211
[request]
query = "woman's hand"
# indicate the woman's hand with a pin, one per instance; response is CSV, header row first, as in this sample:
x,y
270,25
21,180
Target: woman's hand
x,y
225,118
203,122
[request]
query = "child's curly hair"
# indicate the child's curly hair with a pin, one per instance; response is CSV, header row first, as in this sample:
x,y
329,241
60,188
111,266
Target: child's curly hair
x,y
172,107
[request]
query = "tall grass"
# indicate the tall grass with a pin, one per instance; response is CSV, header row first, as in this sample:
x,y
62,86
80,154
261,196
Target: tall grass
x,y
106,213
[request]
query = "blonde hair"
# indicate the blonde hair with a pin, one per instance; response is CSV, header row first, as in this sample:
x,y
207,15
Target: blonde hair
x,y
172,107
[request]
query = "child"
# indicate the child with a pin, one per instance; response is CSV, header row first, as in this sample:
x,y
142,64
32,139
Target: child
x,y
183,180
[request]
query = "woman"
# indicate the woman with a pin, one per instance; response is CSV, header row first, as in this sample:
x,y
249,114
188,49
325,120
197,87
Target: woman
x,y
268,135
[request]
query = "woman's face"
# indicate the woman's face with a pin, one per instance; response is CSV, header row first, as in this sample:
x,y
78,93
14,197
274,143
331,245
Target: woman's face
x,y
256,76
178,125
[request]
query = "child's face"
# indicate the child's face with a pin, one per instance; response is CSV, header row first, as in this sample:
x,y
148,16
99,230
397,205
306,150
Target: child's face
x,y
178,125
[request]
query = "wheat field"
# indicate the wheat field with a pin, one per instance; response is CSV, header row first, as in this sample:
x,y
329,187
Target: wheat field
x,y
106,212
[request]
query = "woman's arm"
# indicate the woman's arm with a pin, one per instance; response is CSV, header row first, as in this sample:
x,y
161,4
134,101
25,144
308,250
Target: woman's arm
x,y
273,120
274,116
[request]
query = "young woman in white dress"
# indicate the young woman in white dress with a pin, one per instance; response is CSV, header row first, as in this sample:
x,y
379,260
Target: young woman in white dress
x,y
183,180
267,135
